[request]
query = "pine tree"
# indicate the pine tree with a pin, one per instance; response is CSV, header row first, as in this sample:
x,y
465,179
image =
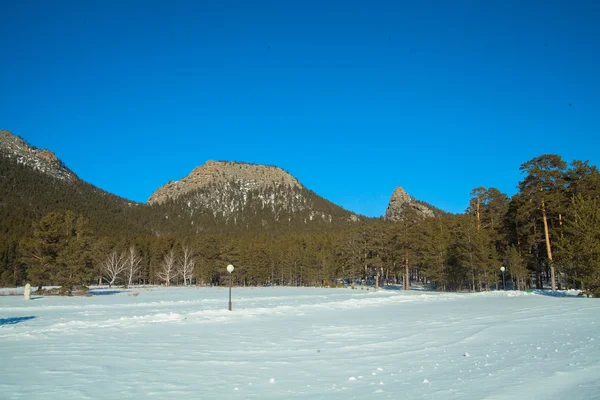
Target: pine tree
x,y
59,251
515,266
583,237
40,250
437,237
75,258
544,186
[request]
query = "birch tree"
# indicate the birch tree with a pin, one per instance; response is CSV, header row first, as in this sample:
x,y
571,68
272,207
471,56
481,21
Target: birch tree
x,y
187,264
113,266
168,270
132,264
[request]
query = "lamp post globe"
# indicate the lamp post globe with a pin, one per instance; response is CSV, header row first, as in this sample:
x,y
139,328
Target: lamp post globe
x,y
502,269
230,269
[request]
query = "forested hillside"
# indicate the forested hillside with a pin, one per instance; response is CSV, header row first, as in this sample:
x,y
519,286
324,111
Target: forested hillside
x,y
67,232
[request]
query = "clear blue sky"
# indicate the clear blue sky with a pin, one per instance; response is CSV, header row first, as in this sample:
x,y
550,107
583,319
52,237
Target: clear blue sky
x,y
353,98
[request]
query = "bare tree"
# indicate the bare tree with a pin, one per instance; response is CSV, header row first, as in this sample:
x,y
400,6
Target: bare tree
x,y
168,270
113,266
132,264
187,264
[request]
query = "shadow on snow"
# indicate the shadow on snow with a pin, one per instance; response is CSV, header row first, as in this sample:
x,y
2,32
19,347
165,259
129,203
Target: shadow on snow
x,y
14,320
551,293
105,292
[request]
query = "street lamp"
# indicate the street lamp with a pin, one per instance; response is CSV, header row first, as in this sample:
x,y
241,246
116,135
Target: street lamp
x,y
230,269
503,281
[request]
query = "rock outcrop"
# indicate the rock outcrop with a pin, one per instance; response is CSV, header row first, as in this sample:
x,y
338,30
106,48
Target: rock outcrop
x,y
401,201
247,194
251,176
17,149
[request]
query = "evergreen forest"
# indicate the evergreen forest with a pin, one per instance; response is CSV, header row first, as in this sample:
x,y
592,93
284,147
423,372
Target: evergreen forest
x,y
54,232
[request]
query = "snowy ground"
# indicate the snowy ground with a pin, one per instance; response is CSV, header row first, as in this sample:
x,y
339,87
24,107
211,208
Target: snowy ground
x,y
282,343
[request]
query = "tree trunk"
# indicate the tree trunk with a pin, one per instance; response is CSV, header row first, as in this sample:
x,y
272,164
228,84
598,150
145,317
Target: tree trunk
x,y
560,223
539,284
478,216
406,274
548,248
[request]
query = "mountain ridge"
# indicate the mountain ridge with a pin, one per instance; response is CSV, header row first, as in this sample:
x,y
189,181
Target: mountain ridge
x,y
225,189
39,159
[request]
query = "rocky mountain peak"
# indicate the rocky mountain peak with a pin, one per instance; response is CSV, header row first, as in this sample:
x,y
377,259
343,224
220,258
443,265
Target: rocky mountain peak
x,y
17,149
400,201
246,194
249,176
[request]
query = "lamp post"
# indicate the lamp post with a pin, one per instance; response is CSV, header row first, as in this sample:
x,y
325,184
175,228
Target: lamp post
x,y
230,269
503,281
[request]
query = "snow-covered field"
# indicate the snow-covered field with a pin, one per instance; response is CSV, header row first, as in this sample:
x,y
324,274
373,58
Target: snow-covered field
x,y
282,343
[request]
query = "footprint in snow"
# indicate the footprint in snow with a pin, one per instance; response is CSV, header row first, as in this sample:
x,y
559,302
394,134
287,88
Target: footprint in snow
x,y
272,380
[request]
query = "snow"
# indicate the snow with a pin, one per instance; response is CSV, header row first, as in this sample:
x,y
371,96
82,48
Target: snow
x,y
304,343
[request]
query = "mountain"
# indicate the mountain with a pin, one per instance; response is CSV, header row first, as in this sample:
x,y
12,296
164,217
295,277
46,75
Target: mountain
x,y
220,172
257,217
34,182
401,201
246,195
218,196
45,161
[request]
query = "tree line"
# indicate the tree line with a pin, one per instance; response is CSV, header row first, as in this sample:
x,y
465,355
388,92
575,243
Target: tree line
x,y
546,235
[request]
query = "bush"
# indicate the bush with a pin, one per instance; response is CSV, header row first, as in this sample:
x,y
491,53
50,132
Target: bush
x,y
7,279
67,290
48,292
329,284
592,293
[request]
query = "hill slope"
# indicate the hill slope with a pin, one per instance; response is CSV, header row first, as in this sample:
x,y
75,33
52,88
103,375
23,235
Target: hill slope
x,y
215,197
34,182
246,195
